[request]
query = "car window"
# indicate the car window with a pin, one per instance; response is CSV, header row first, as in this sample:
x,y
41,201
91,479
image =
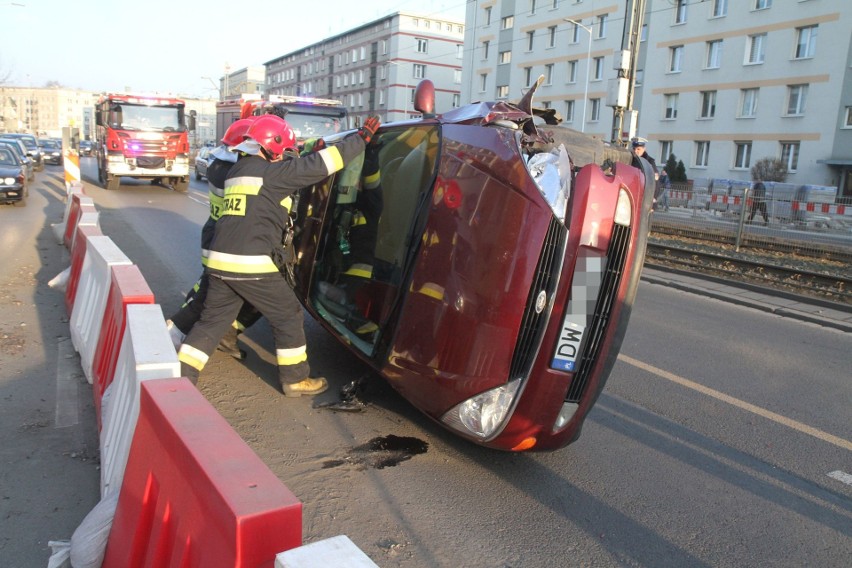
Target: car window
x,y
7,158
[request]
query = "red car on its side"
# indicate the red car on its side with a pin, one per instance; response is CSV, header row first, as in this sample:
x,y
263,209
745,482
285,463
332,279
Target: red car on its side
x,y
484,263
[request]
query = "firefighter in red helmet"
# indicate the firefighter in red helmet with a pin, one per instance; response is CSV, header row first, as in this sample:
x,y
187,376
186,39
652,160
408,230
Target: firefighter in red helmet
x,y
246,256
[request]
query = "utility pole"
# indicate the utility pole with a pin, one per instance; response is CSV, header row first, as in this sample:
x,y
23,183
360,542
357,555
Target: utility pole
x,y
622,90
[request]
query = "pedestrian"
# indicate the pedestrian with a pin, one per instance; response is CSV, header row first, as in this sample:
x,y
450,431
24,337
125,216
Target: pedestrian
x,y
639,150
246,255
758,201
181,322
664,191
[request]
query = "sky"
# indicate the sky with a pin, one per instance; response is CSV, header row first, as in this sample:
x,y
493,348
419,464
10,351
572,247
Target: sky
x,y
170,46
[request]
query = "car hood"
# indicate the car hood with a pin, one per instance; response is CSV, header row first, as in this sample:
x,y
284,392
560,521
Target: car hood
x,y
10,171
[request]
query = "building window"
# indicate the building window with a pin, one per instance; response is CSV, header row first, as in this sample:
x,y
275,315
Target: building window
x,y
507,23
502,91
762,4
848,122
680,12
527,76
599,68
796,96
666,149
675,58
720,8
569,112
602,26
671,106
488,16
457,76
483,81
790,155
708,104
756,48
575,34
748,103
714,54
456,100
596,110
548,74
572,71
532,7
459,51
742,159
551,32
530,38
485,45
505,57
806,42
422,45
419,70
702,153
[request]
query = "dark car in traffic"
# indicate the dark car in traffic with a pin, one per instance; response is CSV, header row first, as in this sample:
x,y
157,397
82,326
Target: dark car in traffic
x,y
51,151
483,262
86,147
32,149
202,160
13,178
20,151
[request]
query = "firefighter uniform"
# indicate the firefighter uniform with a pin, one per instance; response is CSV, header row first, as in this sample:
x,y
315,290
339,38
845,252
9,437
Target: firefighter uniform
x,y
246,255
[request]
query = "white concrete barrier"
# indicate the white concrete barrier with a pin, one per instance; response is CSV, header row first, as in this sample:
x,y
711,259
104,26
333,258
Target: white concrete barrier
x,y
91,295
146,353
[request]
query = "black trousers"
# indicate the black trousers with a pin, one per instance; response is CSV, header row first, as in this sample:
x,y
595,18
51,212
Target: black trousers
x,y
273,298
190,312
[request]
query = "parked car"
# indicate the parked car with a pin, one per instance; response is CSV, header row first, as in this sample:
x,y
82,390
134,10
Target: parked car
x,y
20,152
51,150
486,268
86,147
13,177
32,149
202,160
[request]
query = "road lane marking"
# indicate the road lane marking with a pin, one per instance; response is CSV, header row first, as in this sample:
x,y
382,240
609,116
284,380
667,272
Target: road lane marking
x,y
841,476
65,413
769,415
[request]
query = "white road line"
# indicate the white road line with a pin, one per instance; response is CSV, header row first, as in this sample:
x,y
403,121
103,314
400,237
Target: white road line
x,y
66,413
841,476
769,415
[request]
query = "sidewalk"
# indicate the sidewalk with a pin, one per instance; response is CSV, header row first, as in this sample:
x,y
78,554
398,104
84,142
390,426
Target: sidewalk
x,y
811,310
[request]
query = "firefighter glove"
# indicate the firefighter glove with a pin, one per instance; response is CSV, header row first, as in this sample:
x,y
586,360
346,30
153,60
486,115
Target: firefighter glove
x,y
369,129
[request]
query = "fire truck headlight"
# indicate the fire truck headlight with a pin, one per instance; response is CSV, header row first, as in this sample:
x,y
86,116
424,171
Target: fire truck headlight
x,y
484,413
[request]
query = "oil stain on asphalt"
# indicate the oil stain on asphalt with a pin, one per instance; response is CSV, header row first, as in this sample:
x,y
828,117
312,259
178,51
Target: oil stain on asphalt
x,y
381,452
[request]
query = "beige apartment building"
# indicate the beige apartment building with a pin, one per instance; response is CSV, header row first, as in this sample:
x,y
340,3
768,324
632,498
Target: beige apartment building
x,y
374,68
719,83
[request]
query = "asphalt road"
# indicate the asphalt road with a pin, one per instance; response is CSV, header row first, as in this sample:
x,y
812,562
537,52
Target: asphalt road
x,y
723,438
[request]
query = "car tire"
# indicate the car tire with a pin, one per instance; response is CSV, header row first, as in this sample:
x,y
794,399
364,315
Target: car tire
x,y
197,176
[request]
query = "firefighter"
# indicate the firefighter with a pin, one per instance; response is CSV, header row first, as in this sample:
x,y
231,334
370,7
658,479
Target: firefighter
x,y
246,255
182,321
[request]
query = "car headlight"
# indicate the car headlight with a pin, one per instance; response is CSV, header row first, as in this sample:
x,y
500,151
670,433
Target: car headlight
x,y
485,413
8,181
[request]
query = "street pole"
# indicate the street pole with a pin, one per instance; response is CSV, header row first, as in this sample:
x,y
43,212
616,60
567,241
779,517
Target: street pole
x,y
588,68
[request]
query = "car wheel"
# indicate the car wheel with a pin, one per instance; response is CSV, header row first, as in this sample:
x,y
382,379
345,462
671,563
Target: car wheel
x,y
197,176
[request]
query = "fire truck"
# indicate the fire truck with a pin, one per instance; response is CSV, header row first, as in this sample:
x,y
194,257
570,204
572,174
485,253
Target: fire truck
x,y
309,117
144,137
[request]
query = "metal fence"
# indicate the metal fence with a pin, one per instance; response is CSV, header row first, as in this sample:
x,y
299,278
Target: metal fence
x,y
803,218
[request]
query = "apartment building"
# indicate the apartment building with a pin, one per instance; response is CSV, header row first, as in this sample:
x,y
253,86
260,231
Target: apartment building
x,y
719,83
374,68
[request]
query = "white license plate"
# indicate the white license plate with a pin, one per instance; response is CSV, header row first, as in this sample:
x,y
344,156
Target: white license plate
x,y
568,346
12,193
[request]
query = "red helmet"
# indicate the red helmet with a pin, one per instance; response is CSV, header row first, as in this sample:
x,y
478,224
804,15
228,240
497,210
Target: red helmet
x,y
273,134
237,131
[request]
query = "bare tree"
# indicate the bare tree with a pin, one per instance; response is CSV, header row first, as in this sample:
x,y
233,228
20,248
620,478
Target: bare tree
x,y
769,169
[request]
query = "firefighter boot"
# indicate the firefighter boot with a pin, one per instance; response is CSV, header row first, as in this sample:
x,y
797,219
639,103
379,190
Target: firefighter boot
x,y
228,344
189,372
307,387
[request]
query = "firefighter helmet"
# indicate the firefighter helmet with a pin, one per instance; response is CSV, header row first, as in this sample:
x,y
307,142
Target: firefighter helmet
x,y
273,134
237,131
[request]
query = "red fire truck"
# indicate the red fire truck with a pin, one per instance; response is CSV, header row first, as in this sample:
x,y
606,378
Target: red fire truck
x,y
309,117
142,136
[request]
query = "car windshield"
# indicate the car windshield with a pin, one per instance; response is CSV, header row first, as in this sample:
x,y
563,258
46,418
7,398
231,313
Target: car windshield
x,y
311,125
143,117
49,144
6,158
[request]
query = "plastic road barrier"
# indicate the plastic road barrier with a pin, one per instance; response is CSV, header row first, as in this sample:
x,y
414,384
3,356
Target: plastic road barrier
x,y
87,312
194,494
72,168
146,353
337,551
78,204
78,254
128,287
59,228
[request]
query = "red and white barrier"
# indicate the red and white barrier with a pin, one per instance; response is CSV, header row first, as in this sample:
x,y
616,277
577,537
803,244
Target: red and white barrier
x,y
88,309
826,208
128,287
59,228
194,494
78,255
146,353
79,203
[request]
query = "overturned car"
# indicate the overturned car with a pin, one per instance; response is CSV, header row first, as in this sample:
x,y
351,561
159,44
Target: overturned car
x,y
484,263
